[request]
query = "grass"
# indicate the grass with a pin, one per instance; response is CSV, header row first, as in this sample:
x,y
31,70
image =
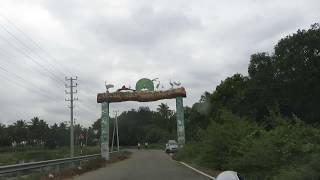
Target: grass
x,y
41,154
86,166
157,146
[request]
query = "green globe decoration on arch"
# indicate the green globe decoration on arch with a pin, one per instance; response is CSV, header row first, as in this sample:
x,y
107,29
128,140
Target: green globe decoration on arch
x,y
144,84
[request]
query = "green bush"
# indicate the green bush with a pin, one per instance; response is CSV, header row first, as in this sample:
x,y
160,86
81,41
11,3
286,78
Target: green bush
x,y
309,170
290,149
289,144
219,142
189,153
222,140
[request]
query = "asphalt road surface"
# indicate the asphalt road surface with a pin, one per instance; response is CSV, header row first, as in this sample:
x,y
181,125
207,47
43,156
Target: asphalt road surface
x,y
144,165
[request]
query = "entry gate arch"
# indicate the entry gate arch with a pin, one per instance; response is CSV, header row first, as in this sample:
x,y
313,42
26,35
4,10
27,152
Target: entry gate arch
x,y
144,92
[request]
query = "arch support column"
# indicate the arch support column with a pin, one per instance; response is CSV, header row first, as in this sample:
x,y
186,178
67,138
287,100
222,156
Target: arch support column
x,y
105,130
180,121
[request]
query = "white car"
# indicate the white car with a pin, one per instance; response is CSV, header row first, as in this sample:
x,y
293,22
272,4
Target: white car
x,y
171,146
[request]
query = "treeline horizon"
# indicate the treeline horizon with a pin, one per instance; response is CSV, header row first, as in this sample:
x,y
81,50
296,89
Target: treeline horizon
x,y
37,132
135,125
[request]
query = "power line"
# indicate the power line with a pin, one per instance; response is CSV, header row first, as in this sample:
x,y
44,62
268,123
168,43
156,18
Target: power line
x,y
39,47
31,58
29,49
82,106
35,43
10,60
23,80
86,107
23,84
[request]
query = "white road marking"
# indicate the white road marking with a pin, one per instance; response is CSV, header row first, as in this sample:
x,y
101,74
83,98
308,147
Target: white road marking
x,y
198,171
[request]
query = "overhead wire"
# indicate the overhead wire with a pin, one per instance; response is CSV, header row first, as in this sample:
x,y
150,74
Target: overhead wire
x,y
23,81
36,45
53,75
42,49
30,57
11,60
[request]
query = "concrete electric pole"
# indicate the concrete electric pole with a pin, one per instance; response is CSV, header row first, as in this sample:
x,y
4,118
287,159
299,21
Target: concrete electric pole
x,y
117,130
71,92
114,127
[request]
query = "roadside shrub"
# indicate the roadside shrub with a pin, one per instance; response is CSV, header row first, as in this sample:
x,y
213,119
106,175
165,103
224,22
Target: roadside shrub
x,y
222,140
219,142
290,149
189,153
287,145
309,170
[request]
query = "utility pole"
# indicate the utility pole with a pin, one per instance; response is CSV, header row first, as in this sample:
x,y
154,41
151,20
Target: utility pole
x,y
117,130
114,128
71,92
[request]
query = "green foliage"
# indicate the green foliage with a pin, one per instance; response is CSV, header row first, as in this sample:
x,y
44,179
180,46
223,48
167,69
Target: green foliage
x,y
222,139
229,94
41,154
4,134
38,131
219,141
264,126
231,142
190,153
309,170
288,79
144,125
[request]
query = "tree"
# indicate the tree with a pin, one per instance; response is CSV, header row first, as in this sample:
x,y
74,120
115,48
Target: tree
x,y
262,91
165,117
4,138
63,135
52,141
18,132
38,131
230,94
96,126
205,97
298,73
287,81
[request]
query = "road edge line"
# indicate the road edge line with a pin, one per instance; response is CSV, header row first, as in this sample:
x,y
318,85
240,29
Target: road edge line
x,y
196,170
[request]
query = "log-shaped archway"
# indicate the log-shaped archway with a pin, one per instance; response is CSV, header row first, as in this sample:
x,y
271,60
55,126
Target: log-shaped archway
x,y
141,96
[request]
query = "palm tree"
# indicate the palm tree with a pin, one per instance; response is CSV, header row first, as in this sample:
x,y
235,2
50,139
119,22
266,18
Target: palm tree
x,y
19,131
165,115
38,131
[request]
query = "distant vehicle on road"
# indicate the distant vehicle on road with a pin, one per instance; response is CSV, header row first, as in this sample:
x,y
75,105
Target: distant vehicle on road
x,y
171,146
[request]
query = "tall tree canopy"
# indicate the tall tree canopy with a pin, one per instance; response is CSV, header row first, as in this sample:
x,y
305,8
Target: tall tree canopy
x,y
287,81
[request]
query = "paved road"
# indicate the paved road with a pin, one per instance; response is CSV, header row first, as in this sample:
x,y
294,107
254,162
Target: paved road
x,y
144,165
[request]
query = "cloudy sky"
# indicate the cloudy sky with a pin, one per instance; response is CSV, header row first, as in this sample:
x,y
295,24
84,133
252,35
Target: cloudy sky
x,y
198,43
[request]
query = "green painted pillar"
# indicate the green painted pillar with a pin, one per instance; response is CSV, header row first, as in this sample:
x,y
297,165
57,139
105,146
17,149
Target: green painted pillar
x,y
105,131
180,121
